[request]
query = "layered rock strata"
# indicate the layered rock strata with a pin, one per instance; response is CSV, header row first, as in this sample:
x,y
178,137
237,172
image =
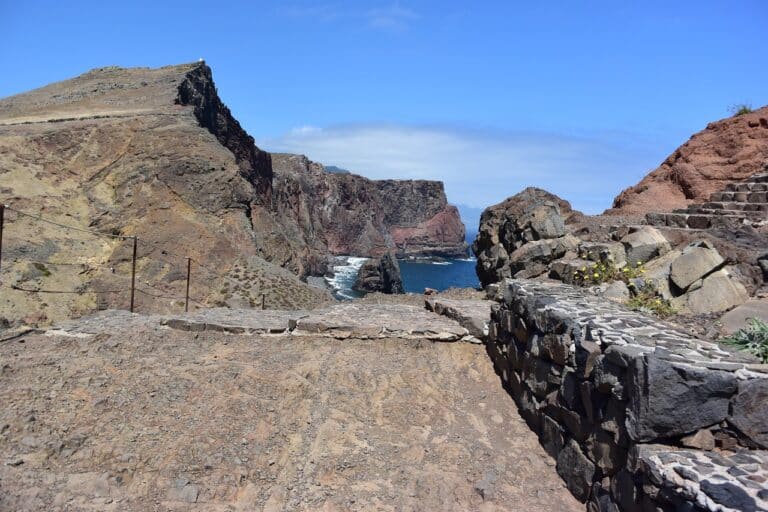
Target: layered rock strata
x,y
601,384
732,149
151,153
324,213
155,153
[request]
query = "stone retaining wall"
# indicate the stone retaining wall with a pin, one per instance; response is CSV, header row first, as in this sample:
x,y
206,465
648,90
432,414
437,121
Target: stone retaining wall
x,y
633,409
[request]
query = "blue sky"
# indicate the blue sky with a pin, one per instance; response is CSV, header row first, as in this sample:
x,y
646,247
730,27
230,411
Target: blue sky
x,y
579,97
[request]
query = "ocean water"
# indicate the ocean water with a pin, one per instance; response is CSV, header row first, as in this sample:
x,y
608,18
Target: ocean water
x,y
344,275
417,274
440,275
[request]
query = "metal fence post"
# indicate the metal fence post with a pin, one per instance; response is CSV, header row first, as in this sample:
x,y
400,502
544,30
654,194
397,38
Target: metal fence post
x,y
189,271
2,222
133,271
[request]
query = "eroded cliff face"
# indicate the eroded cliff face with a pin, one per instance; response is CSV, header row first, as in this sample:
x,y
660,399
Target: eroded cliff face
x,y
732,149
145,152
198,90
155,153
347,214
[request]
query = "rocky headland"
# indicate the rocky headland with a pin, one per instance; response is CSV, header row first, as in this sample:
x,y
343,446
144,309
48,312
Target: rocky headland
x,y
602,329
324,213
155,154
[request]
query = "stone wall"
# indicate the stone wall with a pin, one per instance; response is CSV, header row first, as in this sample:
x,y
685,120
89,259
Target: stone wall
x,y
639,415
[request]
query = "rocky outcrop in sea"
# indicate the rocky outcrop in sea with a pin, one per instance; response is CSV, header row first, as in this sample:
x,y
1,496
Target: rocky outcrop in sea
x,y
380,275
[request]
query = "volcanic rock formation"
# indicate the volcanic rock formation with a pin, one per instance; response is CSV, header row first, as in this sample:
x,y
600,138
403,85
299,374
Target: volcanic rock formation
x,y
347,214
380,275
522,235
154,153
728,150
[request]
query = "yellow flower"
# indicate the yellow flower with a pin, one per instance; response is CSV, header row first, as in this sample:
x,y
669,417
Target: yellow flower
x,y
596,275
583,269
625,270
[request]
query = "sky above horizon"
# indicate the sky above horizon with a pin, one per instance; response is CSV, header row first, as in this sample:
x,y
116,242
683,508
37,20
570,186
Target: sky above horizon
x,y
579,98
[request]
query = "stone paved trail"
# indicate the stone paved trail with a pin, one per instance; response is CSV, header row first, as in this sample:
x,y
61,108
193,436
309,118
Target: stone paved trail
x,y
134,415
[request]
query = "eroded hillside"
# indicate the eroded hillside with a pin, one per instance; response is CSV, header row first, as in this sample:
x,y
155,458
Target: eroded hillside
x,y
155,154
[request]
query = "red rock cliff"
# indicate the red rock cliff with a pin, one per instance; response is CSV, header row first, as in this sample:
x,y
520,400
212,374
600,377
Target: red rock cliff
x,y
728,150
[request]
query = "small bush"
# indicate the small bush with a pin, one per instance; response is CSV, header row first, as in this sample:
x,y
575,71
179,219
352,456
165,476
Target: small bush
x,y
646,299
607,272
752,339
42,268
740,109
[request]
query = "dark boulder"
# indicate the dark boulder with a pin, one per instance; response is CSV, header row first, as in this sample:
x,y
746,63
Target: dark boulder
x,y
524,232
380,275
669,399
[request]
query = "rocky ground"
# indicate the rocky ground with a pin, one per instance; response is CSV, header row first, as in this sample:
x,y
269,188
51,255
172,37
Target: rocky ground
x,y
149,413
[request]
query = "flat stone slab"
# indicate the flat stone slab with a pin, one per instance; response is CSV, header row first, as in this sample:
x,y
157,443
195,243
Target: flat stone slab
x,y
738,317
713,480
345,320
355,320
235,321
473,315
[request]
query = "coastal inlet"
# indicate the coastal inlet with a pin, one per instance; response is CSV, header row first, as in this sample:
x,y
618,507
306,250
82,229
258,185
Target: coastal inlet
x,y
417,274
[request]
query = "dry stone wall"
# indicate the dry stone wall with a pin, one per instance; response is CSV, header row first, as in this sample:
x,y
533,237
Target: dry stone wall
x,y
638,414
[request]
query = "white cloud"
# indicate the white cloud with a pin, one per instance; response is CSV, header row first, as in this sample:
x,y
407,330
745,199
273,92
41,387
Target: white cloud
x,y
478,168
388,17
392,17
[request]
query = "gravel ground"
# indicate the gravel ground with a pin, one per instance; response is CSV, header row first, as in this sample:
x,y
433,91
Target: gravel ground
x,y
151,418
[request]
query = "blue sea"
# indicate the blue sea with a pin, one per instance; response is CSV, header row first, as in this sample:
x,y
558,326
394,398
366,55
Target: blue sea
x,y
417,274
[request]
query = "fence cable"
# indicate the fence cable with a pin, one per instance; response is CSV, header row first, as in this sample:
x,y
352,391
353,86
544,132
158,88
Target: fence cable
x,y
83,230
92,266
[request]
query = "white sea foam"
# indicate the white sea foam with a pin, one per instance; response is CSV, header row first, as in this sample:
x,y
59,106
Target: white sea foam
x,y
344,276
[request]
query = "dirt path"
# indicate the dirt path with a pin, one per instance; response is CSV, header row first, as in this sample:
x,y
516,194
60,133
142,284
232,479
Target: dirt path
x,y
160,419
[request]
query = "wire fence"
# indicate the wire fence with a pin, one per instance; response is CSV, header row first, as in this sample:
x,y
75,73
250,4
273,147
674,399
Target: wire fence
x,y
40,245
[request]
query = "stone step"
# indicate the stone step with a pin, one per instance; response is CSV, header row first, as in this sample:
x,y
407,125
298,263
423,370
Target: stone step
x,y
741,197
700,221
696,209
748,186
748,207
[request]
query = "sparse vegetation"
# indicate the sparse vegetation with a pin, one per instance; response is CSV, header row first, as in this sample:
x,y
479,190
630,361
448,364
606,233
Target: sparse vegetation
x,y
740,109
646,299
42,268
752,339
606,273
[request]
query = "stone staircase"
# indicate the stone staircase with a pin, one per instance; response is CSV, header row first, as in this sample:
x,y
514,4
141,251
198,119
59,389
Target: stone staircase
x,y
744,203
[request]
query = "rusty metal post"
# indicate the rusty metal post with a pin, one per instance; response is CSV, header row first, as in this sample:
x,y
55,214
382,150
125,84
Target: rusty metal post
x,y
133,271
189,271
2,222
263,300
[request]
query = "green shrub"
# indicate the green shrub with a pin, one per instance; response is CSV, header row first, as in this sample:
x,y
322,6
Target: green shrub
x,y
740,109
646,299
752,339
42,268
607,272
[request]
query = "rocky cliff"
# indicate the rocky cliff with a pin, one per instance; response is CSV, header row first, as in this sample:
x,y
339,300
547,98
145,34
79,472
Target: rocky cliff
x,y
728,150
332,213
155,153
147,152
